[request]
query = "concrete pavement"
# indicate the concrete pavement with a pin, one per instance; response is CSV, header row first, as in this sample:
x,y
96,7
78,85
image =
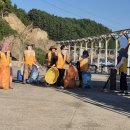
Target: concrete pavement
x,y
28,107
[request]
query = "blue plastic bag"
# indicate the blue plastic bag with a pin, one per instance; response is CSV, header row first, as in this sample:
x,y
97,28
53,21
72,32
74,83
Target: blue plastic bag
x,y
34,75
19,76
86,79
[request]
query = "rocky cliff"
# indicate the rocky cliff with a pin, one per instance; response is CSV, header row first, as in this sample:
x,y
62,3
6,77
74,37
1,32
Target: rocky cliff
x,y
24,35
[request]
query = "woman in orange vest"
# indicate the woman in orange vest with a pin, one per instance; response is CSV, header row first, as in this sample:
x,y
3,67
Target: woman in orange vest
x,y
51,57
29,60
84,67
62,59
6,58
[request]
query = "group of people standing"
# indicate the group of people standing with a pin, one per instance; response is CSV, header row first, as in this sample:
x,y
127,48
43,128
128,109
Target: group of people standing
x,y
59,59
6,62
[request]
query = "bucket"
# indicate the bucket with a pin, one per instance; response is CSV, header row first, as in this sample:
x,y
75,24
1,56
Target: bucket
x,y
52,75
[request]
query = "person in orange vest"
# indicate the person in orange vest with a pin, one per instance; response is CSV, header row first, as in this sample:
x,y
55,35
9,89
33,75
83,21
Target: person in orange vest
x,y
51,57
62,59
29,60
6,58
84,67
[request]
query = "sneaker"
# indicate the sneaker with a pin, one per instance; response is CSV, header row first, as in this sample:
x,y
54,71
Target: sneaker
x,y
60,87
121,91
10,87
24,82
47,85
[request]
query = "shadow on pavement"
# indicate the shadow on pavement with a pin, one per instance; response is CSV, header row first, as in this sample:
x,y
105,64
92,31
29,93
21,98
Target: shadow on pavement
x,y
110,100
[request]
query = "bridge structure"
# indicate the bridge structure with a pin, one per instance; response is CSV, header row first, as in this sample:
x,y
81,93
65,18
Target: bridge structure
x,y
96,45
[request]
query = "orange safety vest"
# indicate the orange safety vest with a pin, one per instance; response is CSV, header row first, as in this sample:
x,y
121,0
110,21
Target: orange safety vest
x,y
29,57
5,59
61,62
83,65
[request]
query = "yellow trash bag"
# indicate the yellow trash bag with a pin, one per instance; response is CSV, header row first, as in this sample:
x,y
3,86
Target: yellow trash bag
x,y
4,77
52,75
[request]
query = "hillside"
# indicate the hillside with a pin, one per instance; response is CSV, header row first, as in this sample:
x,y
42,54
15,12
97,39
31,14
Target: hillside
x,y
26,34
59,28
5,29
19,32
18,27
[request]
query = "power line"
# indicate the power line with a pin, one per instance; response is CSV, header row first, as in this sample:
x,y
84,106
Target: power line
x,y
64,10
69,12
90,13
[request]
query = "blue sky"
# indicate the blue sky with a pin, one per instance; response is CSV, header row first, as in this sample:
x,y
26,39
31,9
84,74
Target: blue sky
x,y
114,14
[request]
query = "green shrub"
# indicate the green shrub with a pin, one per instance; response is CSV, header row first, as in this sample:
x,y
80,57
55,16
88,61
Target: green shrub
x,y
5,29
40,55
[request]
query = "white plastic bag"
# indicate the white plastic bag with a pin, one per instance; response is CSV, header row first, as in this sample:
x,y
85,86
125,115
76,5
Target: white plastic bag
x,y
22,68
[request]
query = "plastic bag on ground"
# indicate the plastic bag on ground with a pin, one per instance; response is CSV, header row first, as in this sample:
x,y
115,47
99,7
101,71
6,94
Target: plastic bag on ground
x,y
86,79
70,78
72,72
19,76
22,69
34,75
4,77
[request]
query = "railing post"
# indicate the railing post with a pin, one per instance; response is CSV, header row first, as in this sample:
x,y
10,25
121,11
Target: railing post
x,y
91,52
128,70
106,54
106,51
74,52
81,48
69,49
86,46
116,52
98,60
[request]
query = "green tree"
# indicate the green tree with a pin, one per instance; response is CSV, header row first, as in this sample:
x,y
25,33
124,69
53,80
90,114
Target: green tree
x,y
22,15
5,29
5,7
65,28
40,56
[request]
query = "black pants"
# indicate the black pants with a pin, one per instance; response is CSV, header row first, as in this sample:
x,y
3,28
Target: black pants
x,y
80,78
60,81
123,82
